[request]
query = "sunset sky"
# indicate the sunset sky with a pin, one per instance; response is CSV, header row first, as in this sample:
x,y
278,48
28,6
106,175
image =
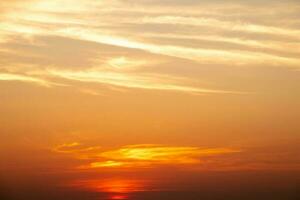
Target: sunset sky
x,y
108,99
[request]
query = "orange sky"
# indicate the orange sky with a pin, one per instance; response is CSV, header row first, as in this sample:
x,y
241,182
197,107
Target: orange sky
x,y
108,95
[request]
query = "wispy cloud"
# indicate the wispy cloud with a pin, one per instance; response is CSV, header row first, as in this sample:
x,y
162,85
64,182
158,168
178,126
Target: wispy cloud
x,y
248,32
75,148
207,34
23,78
134,81
141,156
147,155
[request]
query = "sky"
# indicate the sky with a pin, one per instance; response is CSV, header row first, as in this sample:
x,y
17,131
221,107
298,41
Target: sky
x,y
148,99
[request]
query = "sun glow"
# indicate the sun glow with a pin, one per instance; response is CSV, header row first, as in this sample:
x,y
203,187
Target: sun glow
x,y
120,186
119,196
115,186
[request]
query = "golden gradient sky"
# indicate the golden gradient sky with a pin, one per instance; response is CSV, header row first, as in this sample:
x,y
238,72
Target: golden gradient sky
x,y
93,92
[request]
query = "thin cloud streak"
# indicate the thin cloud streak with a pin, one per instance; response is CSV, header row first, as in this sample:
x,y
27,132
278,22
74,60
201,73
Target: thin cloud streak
x,y
85,29
133,81
80,21
23,78
141,156
195,54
